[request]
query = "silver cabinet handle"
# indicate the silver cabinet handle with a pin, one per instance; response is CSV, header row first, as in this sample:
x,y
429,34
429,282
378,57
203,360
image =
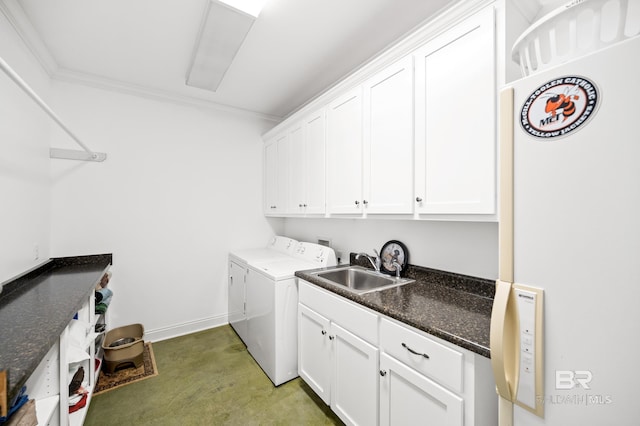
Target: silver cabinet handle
x,y
365,202
331,337
304,205
383,373
357,203
323,332
404,345
418,200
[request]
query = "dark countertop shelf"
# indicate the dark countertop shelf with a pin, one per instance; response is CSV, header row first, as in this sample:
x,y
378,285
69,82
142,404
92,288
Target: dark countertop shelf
x,y
36,306
453,307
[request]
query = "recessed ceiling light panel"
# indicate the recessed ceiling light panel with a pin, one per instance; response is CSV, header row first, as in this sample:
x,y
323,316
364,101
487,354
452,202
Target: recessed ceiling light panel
x,y
222,32
252,7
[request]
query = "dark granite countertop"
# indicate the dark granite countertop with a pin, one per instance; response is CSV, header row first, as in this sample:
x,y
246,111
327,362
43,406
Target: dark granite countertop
x,y
36,306
453,307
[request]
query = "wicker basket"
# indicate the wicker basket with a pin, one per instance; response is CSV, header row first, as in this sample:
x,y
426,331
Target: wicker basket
x,y
575,29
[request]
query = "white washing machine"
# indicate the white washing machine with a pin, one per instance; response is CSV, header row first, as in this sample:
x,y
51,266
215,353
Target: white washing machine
x,y
272,308
277,247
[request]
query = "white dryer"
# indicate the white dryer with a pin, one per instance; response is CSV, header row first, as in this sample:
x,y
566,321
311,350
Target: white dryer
x,y
277,247
272,308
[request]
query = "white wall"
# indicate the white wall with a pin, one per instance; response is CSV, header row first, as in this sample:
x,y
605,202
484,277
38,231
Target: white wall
x,y
24,161
468,248
181,186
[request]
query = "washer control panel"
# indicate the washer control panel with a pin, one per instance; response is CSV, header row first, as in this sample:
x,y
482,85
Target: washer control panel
x,y
321,255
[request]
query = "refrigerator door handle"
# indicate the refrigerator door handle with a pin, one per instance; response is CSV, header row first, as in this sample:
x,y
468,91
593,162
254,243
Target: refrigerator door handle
x,y
502,342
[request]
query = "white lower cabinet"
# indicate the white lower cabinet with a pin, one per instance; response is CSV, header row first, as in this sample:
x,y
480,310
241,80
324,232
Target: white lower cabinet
x,y
314,352
337,364
373,370
408,398
354,386
414,371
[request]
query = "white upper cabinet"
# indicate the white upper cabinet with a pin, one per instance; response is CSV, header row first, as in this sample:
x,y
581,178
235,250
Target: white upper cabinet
x,y
297,184
415,139
307,173
295,169
276,166
456,118
344,154
388,140
370,145
315,144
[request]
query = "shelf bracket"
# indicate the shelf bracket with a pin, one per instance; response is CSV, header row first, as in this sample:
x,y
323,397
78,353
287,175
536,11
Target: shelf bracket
x,y
76,154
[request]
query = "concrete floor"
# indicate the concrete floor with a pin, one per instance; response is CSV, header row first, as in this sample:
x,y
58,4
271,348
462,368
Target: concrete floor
x,y
209,378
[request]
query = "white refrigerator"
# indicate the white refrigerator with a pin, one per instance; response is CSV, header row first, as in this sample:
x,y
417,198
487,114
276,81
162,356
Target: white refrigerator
x,y
565,332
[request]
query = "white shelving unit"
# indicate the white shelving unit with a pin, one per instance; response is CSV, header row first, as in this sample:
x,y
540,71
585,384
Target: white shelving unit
x,y
84,341
78,345
44,387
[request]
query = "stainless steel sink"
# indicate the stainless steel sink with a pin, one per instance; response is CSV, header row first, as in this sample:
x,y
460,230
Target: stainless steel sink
x,y
359,280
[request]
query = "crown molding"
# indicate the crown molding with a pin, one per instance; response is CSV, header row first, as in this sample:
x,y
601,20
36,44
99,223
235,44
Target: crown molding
x,y
74,77
23,27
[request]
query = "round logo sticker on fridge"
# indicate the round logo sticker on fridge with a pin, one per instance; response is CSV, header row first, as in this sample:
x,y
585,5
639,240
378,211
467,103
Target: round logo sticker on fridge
x,y
559,107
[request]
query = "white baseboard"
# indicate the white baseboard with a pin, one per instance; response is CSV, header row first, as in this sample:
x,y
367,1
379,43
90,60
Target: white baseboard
x,y
184,328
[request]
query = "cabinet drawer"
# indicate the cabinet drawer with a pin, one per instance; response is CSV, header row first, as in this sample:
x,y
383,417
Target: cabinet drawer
x,y
443,364
350,316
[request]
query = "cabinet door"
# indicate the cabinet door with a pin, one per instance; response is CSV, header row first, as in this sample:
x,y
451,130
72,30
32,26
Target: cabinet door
x,y
270,176
237,316
388,140
297,171
344,153
314,351
407,398
276,166
315,163
455,120
354,389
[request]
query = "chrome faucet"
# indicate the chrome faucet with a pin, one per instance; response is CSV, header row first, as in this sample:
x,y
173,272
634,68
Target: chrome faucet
x,y
398,267
376,264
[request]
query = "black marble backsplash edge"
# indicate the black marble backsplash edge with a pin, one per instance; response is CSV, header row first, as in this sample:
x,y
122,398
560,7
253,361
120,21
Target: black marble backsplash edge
x,y
29,276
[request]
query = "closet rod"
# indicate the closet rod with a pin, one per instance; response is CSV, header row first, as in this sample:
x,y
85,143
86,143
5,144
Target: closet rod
x,y
54,152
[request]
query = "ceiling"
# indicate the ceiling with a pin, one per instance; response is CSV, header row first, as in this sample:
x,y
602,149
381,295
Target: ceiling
x,y
295,50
